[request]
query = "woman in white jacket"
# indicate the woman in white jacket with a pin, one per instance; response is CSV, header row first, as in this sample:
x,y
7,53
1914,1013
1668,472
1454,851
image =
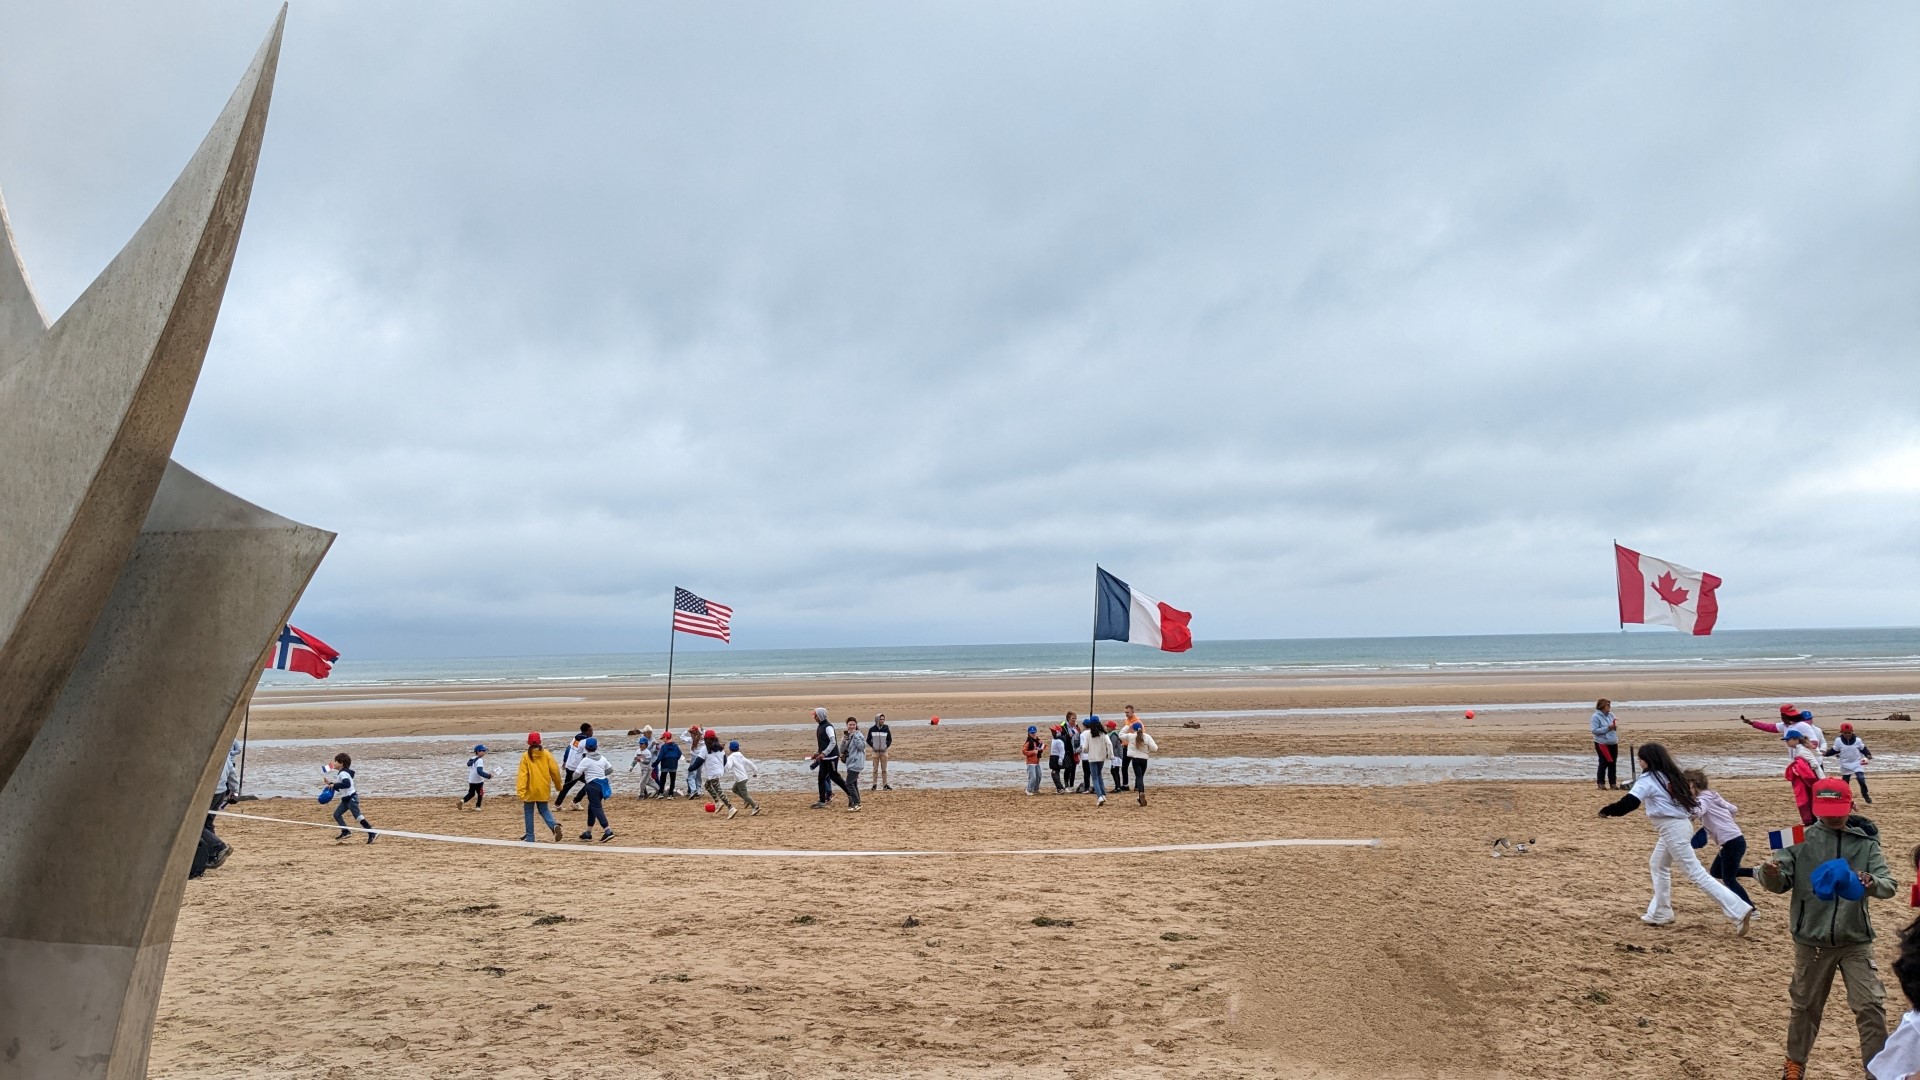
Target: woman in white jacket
x,y
1140,748
1094,752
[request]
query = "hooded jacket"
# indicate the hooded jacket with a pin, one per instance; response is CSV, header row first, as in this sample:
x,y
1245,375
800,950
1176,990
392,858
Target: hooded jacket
x,y
1829,923
539,776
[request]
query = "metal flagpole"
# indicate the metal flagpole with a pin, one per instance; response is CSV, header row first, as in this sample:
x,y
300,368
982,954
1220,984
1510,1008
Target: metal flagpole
x,y
1093,656
667,724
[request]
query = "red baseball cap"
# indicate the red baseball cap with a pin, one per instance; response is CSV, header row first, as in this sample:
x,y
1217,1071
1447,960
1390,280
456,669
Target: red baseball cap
x,y
712,734
1846,727
533,738
1832,798
1789,710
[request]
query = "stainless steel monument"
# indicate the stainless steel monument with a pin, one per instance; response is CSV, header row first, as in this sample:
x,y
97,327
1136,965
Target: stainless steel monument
x,y
137,602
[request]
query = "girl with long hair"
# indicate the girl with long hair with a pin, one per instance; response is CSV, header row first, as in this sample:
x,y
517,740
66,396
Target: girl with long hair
x,y
1669,801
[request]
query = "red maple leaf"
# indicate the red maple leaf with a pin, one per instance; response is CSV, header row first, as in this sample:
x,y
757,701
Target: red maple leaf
x,y
1669,589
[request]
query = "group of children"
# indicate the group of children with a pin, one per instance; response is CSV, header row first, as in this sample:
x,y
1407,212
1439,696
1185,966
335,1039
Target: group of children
x,y
1091,750
1831,872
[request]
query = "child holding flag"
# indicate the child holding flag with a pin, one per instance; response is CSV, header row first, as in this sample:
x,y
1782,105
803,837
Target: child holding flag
x,y
1831,874
346,797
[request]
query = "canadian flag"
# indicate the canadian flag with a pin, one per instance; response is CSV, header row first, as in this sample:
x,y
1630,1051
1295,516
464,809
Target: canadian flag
x,y
1659,592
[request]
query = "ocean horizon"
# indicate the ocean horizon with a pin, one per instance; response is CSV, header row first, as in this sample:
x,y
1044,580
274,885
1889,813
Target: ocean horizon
x,y
1864,648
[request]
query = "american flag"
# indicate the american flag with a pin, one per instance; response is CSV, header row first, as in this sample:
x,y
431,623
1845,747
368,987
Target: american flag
x,y
692,615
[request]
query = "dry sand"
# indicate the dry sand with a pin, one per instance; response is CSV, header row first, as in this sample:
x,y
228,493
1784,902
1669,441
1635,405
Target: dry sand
x,y
1424,957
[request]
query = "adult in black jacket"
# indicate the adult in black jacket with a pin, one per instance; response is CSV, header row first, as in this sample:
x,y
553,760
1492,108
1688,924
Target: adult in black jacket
x,y
826,760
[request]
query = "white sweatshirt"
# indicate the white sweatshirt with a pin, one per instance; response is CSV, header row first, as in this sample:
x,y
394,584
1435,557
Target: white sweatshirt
x,y
1095,747
1716,813
738,768
1141,745
570,758
1057,749
1852,755
477,769
593,766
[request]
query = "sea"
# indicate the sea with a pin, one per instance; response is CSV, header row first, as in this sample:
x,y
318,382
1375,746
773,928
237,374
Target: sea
x,y
1826,649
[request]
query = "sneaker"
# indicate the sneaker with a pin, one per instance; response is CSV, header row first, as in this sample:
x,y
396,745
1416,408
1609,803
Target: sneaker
x,y
755,812
588,835
1651,921
370,835
818,806
556,833
527,839
854,808
219,857
731,811
1101,801
344,834
1743,923
1141,799
1793,1070
889,787
606,835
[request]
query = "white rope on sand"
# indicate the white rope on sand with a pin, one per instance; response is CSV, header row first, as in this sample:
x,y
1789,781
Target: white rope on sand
x,y
806,853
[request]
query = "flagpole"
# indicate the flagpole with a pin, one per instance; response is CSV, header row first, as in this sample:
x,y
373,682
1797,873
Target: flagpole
x,y
1093,654
667,724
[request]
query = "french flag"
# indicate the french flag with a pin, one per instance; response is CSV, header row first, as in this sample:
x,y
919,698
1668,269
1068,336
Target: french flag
x,y
1780,838
1124,613
297,650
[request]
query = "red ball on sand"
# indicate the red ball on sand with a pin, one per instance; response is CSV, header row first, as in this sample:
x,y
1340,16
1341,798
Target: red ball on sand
x,y
935,721
710,808
1469,714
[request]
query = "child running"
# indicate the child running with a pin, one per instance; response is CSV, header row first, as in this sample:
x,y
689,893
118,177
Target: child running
x,y
477,777
1666,796
1716,814
1854,755
346,797
737,771
594,771
1831,874
713,766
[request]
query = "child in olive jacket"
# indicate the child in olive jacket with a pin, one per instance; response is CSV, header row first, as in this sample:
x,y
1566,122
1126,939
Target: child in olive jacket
x,y
1831,874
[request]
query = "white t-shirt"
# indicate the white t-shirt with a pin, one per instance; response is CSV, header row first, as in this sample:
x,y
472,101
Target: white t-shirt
x,y
476,765
1654,798
1852,754
593,766
1901,1058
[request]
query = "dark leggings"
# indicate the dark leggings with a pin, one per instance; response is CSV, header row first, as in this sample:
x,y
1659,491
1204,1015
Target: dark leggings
x,y
572,779
1606,772
476,792
1054,765
1119,775
596,813
830,778
1726,866
1139,774
1862,777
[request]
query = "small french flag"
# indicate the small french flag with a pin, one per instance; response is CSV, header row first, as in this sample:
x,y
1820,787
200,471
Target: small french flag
x,y
1779,838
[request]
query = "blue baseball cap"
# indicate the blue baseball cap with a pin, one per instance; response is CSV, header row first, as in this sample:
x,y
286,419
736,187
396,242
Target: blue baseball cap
x,y
593,743
480,748
1031,729
733,744
1093,719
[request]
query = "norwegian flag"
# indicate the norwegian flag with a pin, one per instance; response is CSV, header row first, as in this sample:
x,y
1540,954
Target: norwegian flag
x,y
1656,591
297,650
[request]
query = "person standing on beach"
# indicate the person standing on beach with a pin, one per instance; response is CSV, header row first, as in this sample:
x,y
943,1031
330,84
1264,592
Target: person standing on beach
x,y
696,761
1668,799
346,797
1095,753
1854,755
1057,755
1831,874
879,745
853,752
669,766
535,783
1073,739
1031,751
1606,746
1116,757
1140,749
1803,772
1792,716
477,777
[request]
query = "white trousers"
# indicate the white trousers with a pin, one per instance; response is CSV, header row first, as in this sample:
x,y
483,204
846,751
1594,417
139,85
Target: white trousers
x,y
1673,846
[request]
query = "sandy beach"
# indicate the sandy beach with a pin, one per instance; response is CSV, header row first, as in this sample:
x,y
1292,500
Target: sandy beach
x,y
1421,957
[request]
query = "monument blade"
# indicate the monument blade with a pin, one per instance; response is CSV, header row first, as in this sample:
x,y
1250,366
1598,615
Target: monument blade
x,y
87,915
22,323
89,412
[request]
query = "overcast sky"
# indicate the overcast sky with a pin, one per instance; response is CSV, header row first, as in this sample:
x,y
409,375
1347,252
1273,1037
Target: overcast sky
x,y
884,322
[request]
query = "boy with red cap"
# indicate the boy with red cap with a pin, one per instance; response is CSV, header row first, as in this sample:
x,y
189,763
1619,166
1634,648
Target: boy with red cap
x,y
1831,874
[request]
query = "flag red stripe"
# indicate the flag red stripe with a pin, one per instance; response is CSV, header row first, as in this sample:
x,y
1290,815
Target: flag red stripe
x,y
1707,611
1175,634
1633,587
